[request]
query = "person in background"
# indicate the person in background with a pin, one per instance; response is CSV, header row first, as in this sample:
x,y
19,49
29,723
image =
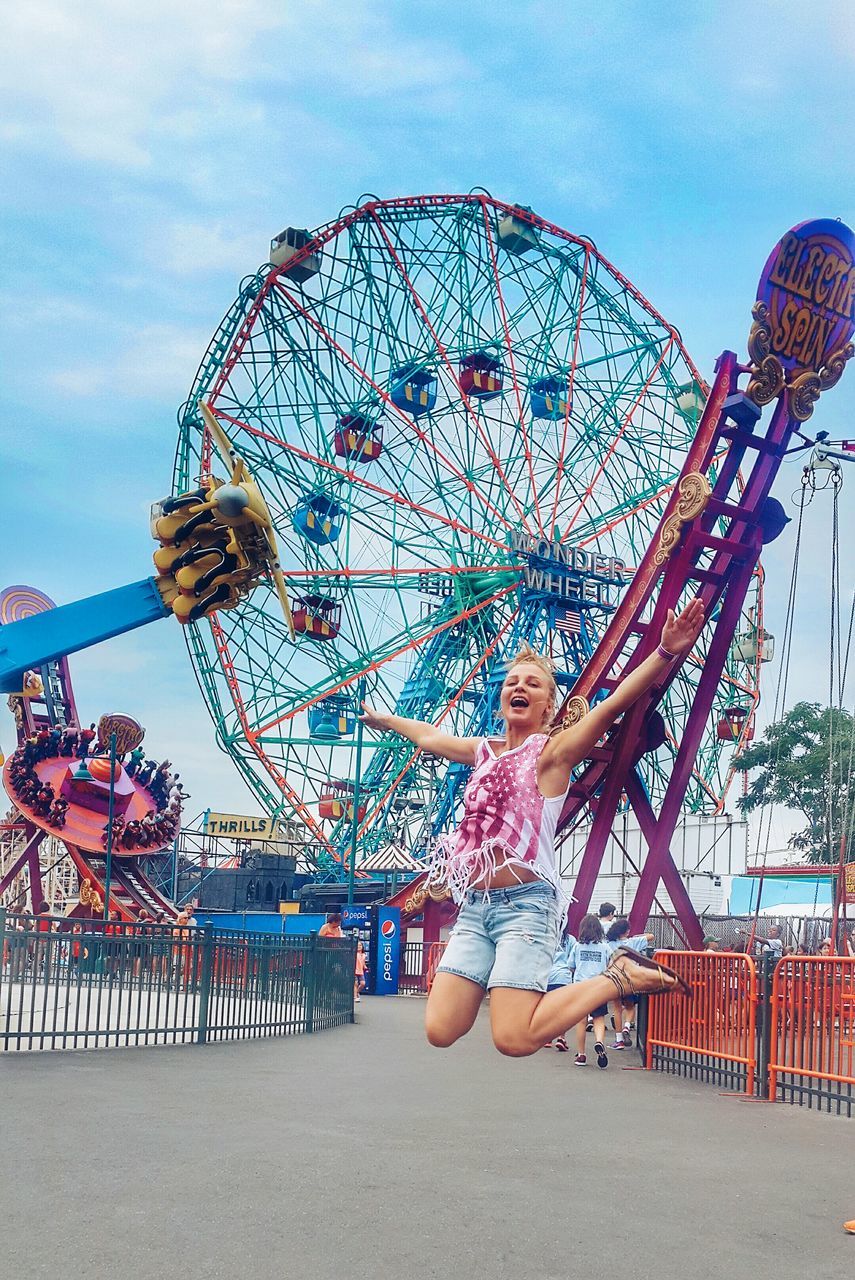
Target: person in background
x,y
774,944
139,944
43,949
589,958
623,1009
711,943
561,975
114,930
332,927
606,916
78,950
19,945
181,948
359,983
160,946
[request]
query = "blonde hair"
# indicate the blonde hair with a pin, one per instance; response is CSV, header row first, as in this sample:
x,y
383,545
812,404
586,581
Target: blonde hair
x,y
526,654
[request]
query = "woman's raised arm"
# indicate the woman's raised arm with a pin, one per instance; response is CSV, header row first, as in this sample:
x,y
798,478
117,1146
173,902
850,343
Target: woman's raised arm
x,y
423,735
569,747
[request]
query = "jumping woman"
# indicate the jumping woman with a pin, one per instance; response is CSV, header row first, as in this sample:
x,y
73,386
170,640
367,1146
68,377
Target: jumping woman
x,y
500,863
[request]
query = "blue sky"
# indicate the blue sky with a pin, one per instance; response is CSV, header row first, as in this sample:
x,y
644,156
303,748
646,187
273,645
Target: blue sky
x,y
149,151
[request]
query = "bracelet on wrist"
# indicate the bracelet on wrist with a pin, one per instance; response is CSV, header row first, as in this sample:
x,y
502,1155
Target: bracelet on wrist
x,y
664,654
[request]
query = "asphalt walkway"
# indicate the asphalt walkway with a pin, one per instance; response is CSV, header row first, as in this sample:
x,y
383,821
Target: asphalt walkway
x,y
362,1152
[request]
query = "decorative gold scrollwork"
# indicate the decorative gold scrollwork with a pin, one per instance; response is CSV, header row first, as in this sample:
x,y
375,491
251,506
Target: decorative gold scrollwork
x,y
768,377
803,394
90,897
668,539
415,903
577,708
832,371
806,389
767,381
437,891
693,494
760,337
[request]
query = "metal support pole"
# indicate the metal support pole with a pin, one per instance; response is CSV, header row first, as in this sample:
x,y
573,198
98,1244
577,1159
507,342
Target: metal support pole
x,y
310,961
109,872
175,869
351,877
207,946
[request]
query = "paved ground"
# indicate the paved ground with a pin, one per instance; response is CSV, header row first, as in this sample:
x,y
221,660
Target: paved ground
x,y
363,1153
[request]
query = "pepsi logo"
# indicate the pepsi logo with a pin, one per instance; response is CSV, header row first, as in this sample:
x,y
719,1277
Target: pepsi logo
x,y
387,928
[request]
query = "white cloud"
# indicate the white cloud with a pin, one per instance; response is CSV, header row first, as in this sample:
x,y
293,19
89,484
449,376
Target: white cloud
x,y
107,78
78,381
186,248
128,86
159,361
152,362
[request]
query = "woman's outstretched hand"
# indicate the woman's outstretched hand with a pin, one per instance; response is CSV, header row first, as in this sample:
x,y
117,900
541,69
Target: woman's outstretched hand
x,y
681,632
375,719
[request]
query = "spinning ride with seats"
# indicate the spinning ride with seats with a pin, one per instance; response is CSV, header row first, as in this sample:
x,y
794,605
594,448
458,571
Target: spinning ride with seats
x,y
467,424
60,789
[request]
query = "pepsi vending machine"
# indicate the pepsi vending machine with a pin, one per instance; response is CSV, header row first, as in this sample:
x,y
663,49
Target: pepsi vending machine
x,y
384,953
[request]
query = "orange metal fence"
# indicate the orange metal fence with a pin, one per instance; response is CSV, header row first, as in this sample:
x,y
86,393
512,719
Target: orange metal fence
x,y
418,966
812,1040
437,950
711,1037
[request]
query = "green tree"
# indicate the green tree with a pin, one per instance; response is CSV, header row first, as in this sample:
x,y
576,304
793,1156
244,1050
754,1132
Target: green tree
x,y
793,759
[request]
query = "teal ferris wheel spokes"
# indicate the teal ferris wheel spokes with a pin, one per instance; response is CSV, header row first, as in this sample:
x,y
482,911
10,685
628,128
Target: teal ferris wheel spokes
x,y
467,423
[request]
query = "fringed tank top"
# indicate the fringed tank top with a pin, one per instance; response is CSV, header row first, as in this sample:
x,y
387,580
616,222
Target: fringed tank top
x,y
506,821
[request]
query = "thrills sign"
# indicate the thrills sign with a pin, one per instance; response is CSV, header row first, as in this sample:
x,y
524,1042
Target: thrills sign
x,y
808,285
236,826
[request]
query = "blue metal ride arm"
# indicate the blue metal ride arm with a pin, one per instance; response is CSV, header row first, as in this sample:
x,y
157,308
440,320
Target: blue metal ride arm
x,y
46,636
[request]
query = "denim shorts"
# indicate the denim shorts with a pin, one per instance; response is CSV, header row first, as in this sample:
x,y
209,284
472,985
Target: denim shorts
x,y
505,938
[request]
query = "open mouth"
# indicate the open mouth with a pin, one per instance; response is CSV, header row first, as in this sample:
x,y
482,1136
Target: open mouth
x,y
518,700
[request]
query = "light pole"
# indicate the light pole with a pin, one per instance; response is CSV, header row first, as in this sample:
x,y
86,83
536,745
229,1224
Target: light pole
x,y
354,830
109,872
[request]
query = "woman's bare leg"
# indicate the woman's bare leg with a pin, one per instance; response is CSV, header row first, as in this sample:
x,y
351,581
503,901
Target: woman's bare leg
x,y
617,1017
452,1007
522,1021
581,1026
599,1031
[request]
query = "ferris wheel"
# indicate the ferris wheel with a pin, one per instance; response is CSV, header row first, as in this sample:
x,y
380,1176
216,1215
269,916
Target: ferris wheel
x,y
466,423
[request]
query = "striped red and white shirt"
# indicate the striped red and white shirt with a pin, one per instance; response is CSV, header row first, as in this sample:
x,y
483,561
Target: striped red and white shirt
x,y
507,821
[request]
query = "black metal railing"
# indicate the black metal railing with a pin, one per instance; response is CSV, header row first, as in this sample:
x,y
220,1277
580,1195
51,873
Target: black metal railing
x,y
72,984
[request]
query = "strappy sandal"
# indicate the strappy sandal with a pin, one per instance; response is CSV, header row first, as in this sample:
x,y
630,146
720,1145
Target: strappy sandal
x,y
669,981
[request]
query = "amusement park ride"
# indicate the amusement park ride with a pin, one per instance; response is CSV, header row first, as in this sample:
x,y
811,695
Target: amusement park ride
x,y
471,431
59,779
